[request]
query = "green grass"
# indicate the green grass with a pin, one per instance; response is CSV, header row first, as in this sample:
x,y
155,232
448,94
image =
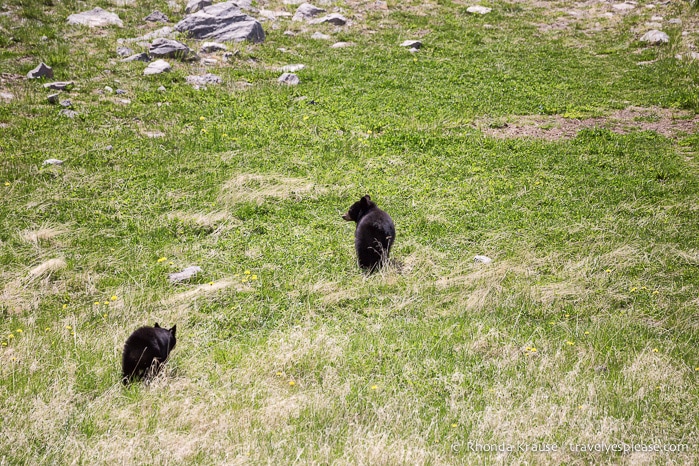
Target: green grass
x,y
582,331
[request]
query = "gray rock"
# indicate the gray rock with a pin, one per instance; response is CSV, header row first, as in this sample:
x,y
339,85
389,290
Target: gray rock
x,y
66,103
143,56
162,89
169,48
108,89
334,18
623,6
53,98
306,11
68,113
204,80
59,85
413,44
157,67
480,10
270,14
156,17
342,45
41,71
483,259
292,68
210,47
289,79
320,36
186,274
655,37
96,17
52,162
195,5
6,96
120,91
222,22
124,51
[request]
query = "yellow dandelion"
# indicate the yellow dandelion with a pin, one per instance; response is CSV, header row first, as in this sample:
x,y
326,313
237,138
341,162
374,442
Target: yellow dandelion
x,y
291,383
4,343
204,131
104,316
570,343
696,368
224,135
65,306
279,374
305,117
10,336
47,329
656,292
72,333
529,348
587,333
244,280
633,289
201,118
247,272
644,288
96,303
533,350
368,131
19,330
7,183
454,425
655,350
68,327
374,387
106,303
162,259
254,277
580,407
608,271
114,298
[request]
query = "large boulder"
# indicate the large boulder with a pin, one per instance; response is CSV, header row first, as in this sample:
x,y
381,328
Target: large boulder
x,y
96,17
222,22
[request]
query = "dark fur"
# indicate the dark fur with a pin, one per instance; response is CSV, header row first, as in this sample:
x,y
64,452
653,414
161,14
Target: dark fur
x,y
374,235
145,350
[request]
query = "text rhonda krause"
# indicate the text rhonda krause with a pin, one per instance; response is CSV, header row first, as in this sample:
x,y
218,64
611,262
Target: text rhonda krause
x,y
575,447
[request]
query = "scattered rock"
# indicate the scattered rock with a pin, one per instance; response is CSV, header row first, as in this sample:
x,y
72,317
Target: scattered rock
x,y
413,44
306,11
66,103
292,68
157,67
96,17
602,368
52,162
108,89
169,48
68,113
483,259
6,96
479,10
289,79
41,71
269,14
195,5
211,47
53,98
185,275
675,21
120,91
156,17
162,89
341,45
623,6
143,56
655,37
320,36
222,22
59,85
204,80
334,18
124,51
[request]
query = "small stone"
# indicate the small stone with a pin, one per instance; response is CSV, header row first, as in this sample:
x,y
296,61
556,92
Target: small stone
x,y
169,48
143,56
66,103
108,89
602,368
202,81
292,68
289,79
480,10
413,44
157,67
623,6
96,17
6,96
162,89
483,259
156,17
185,275
109,147
52,162
655,37
306,11
675,21
53,98
342,45
59,85
68,113
41,71
320,36
120,91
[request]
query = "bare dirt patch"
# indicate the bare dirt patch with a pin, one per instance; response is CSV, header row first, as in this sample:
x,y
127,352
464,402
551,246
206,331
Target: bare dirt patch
x,y
669,123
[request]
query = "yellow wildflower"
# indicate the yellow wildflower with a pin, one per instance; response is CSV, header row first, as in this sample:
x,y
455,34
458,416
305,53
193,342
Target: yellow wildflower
x,y
114,298
374,387
291,383
162,259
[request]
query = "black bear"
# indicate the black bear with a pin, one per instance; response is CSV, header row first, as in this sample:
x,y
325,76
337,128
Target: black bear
x,y
145,350
374,235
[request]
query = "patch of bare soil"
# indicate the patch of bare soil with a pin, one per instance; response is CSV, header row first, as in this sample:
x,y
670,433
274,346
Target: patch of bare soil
x,y
669,123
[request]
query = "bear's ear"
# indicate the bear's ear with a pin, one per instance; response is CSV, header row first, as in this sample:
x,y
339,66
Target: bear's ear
x,y
173,330
156,325
367,197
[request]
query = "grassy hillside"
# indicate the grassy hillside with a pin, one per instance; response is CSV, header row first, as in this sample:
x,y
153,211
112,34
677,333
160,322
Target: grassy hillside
x,y
544,135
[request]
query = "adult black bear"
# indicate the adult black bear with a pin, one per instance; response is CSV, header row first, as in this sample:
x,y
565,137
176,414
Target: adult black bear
x,y
145,350
374,235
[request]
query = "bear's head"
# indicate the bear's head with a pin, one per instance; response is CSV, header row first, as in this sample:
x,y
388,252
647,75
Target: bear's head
x,y
358,209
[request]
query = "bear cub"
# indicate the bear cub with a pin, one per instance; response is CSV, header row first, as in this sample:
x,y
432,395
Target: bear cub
x,y
146,350
374,235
